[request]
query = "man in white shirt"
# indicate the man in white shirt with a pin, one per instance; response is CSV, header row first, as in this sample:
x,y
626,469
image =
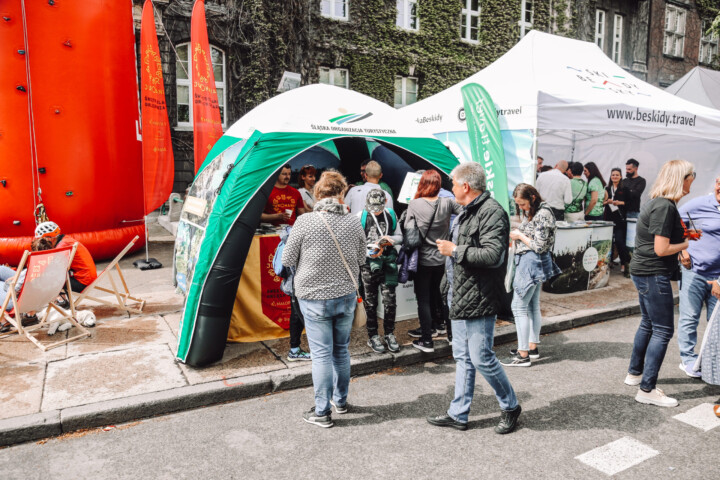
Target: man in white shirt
x,y
555,189
355,198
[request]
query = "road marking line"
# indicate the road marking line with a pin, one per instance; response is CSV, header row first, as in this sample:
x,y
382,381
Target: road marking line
x,y
617,456
701,417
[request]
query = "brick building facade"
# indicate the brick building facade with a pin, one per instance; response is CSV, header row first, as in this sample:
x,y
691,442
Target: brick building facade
x,y
401,51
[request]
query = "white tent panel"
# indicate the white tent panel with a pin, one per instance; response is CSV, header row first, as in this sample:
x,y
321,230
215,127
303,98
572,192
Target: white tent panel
x,y
699,85
324,109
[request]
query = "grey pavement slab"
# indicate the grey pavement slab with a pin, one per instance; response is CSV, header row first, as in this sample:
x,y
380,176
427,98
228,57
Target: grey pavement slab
x,y
124,373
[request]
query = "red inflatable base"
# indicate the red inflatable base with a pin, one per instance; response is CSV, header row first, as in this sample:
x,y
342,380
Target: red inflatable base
x,y
103,244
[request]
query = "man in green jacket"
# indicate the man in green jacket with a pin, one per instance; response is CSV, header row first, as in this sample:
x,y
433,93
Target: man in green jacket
x,y
474,282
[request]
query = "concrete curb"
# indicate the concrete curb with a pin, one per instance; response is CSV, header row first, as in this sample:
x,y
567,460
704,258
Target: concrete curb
x,y
47,424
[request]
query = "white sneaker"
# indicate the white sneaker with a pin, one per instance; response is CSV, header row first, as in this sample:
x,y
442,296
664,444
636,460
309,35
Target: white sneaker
x,y
655,397
633,380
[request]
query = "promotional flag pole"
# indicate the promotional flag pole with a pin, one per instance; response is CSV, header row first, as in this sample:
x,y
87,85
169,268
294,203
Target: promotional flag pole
x,y
486,145
157,154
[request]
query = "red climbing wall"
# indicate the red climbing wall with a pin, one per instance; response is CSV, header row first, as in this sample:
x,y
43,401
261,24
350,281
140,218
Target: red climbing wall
x,y
77,76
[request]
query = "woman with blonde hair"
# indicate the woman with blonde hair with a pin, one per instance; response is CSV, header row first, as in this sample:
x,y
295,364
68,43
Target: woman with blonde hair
x,y
327,249
659,238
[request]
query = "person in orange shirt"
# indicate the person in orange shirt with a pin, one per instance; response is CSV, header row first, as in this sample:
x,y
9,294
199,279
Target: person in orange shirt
x,y
82,269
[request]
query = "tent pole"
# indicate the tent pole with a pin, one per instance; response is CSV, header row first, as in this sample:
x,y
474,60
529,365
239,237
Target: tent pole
x,y
535,153
147,253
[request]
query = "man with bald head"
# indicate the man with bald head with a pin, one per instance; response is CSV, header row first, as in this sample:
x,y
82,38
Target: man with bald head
x,y
555,189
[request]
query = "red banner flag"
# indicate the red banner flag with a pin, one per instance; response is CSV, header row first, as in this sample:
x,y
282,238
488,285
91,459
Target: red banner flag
x,y
157,153
206,110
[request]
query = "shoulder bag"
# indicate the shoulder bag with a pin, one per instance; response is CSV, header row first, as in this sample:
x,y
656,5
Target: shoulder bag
x,y
360,318
412,238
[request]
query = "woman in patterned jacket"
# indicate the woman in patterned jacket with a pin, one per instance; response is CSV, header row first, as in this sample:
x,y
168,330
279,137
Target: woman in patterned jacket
x,y
326,290
535,239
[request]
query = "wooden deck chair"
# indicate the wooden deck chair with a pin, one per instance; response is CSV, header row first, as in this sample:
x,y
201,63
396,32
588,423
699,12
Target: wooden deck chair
x,y
123,299
46,275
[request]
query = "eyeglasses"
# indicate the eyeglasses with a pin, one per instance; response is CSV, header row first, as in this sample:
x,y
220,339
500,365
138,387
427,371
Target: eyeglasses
x,y
690,175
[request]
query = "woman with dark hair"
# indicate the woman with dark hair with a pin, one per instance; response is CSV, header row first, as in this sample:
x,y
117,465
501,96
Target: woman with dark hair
x,y
615,212
596,189
534,240
431,215
306,182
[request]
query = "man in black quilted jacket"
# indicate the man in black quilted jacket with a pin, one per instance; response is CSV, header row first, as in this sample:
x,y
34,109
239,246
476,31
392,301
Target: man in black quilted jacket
x,y
474,282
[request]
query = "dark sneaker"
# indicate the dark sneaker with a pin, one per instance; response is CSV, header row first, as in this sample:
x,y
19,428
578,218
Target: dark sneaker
x,y
300,355
339,409
516,361
441,330
534,354
325,421
392,343
446,420
417,333
29,320
508,421
427,347
376,344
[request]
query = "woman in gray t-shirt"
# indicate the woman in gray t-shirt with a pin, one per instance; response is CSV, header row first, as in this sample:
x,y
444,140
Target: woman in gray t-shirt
x,y
431,214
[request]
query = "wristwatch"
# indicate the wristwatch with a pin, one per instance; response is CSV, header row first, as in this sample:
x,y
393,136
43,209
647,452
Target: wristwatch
x,y
454,252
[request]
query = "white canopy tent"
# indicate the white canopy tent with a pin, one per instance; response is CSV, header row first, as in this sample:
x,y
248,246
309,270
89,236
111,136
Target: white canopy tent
x,y
699,85
565,99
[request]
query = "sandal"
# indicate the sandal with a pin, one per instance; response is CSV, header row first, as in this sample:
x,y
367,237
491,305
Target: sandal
x,y
5,327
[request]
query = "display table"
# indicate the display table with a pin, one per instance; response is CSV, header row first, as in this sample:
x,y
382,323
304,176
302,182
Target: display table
x,y
261,310
582,251
630,238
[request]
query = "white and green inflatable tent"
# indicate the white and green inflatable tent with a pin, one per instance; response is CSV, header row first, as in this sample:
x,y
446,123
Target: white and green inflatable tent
x,y
223,207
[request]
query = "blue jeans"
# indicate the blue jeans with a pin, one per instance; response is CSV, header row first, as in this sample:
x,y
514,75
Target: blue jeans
x,y
655,330
472,349
632,215
327,325
6,273
694,293
526,311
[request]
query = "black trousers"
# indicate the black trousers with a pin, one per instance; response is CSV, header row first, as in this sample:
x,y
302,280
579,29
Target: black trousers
x,y
297,323
76,286
559,214
427,292
620,240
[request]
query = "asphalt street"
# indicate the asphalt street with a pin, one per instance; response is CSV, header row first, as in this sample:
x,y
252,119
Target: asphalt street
x,y
579,421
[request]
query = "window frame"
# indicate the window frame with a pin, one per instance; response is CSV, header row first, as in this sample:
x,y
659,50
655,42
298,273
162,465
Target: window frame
x,y
466,11
187,82
617,38
600,25
406,4
331,76
404,90
523,23
676,36
333,15
707,41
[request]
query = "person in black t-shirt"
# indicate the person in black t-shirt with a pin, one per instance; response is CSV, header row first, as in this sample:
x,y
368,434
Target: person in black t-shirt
x,y
658,240
635,185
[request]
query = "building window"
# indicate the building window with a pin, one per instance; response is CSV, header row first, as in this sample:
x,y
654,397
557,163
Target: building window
x,y
183,67
600,29
674,39
526,17
617,39
405,91
470,21
337,9
335,76
407,15
708,45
